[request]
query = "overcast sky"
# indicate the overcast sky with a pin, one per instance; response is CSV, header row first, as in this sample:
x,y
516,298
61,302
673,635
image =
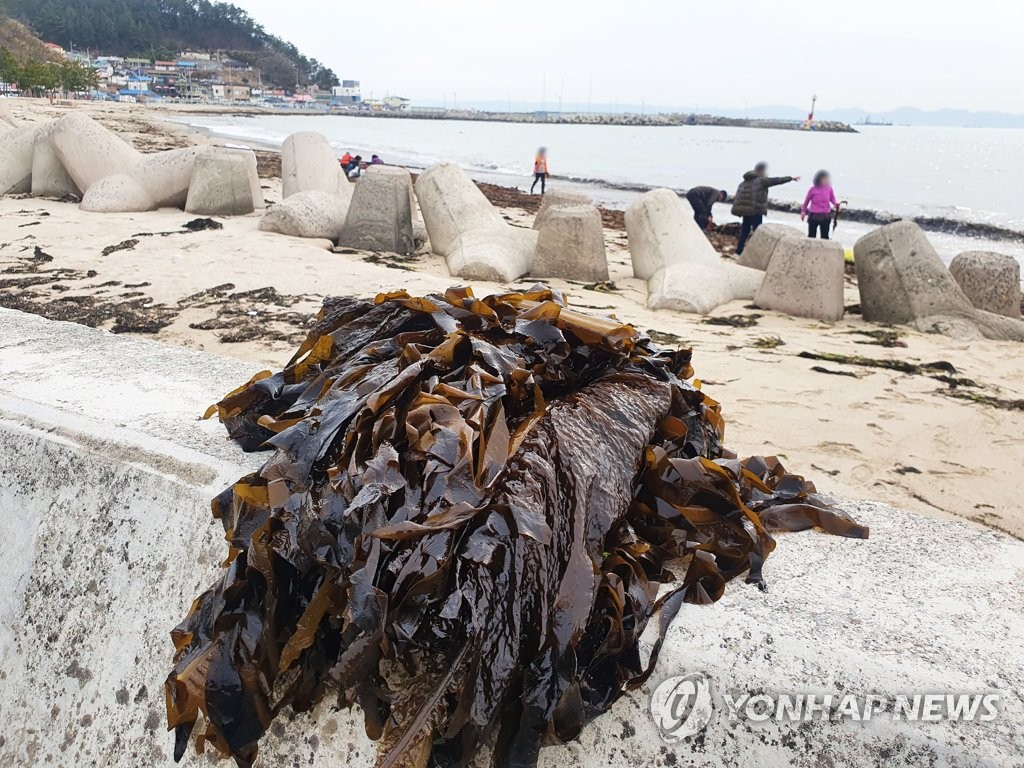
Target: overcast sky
x,y
875,54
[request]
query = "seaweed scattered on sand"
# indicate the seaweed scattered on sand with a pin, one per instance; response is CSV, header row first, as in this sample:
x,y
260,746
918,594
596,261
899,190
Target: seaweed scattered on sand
x,y
261,314
903,366
822,369
124,245
664,337
768,342
602,286
195,225
392,260
734,321
989,400
884,337
201,225
470,508
939,370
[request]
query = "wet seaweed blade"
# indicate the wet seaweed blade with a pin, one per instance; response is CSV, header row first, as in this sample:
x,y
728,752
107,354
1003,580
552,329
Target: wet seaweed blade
x,y
463,527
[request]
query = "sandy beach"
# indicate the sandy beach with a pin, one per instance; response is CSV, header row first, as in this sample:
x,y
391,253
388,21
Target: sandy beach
x,y
921,438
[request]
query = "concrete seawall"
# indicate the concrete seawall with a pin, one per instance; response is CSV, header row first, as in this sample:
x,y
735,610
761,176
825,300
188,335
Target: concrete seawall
x,y
105,538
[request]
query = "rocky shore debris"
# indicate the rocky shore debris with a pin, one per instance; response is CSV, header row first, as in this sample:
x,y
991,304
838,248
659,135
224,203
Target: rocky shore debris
x,y
437,538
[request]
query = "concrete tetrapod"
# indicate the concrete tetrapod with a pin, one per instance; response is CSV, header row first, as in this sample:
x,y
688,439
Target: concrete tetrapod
x,y
380,215
805,279
16,147
559,198
683,270
49,176
220,185
88,151
903,281
307,214
758,251
468,231
452,204
991,281
662,232
308,164
570,244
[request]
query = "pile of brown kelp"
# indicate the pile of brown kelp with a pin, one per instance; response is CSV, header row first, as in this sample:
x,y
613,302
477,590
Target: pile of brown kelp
x,y
464,526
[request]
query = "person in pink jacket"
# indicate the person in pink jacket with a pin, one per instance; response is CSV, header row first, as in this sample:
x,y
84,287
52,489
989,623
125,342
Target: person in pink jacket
x,y
818,206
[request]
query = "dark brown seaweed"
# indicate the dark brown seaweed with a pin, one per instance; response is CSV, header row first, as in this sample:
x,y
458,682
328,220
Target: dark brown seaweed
x,y
463,528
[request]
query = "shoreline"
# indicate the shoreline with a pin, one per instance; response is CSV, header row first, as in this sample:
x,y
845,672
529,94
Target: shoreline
x,y
869,433
944,225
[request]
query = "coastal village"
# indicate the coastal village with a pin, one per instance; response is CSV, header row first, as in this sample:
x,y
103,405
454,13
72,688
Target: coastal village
x,y
215,78
205,78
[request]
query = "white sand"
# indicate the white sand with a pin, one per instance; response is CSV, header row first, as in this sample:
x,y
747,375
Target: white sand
x,y
880,435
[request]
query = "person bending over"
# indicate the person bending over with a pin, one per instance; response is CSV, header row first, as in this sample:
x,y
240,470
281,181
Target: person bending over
x,y
702,199
818,205
751,202
540,169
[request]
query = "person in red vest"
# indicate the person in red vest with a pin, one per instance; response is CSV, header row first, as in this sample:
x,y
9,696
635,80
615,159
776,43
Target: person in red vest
x,y
540,169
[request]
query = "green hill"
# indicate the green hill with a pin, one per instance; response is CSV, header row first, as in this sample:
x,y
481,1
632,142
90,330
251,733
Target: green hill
x,y
19,42
159,28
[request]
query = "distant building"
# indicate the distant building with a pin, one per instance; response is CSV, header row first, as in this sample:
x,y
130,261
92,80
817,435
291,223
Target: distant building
x,y
165,85
54,48
229,92
396,103
136,65
138,86
347,93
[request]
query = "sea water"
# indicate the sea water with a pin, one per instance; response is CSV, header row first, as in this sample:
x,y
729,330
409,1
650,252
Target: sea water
x,y
961,174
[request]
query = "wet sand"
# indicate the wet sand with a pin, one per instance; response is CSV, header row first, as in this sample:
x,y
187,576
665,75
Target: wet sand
x,y
929,440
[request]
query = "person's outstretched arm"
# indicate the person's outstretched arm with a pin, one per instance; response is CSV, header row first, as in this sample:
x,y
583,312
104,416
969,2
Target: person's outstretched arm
x,y
774,181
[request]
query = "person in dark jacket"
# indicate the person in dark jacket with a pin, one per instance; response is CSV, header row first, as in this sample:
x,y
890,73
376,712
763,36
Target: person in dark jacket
x,y
751,202
702,199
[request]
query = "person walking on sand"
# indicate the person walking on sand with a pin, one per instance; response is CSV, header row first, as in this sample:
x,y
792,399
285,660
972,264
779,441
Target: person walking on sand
x,y
751,202
702,199
818,205
540,169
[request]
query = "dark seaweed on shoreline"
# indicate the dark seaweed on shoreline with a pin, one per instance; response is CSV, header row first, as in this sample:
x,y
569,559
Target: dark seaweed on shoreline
x,y
464,526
